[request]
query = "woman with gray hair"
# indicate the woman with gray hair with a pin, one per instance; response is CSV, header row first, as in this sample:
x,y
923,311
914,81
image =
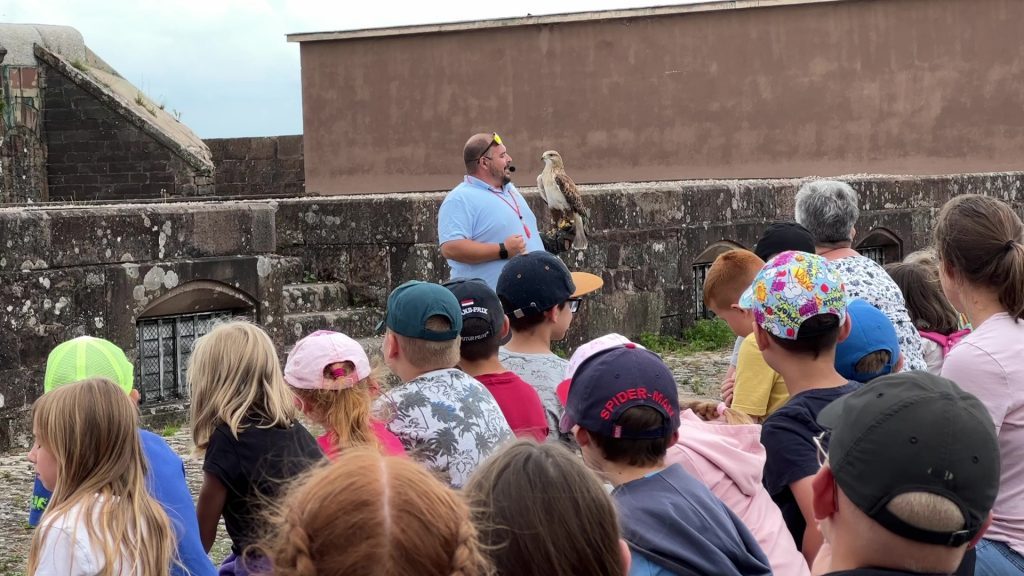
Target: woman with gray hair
x,y
828,208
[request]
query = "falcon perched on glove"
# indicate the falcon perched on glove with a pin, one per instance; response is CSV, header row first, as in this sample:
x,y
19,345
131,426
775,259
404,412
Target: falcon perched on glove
x,y
563,199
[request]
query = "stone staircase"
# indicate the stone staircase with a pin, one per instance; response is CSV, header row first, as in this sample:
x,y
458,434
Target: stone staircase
x,y
326,306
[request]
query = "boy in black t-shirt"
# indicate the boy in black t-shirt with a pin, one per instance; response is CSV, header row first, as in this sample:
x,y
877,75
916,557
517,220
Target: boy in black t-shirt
x,y
799,306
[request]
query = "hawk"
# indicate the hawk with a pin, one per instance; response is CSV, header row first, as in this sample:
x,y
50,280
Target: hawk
x,y
561,195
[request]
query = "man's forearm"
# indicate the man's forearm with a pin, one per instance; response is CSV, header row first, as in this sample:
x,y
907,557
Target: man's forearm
x,y
470,251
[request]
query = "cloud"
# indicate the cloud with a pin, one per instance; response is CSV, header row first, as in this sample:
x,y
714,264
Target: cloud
x,y
225,64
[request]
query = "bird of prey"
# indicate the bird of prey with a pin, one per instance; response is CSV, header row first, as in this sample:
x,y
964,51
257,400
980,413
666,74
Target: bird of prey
x,y
561,195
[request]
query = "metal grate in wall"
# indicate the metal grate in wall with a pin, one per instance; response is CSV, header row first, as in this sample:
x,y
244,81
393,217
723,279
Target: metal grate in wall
x,y
876,253
700,273
165,345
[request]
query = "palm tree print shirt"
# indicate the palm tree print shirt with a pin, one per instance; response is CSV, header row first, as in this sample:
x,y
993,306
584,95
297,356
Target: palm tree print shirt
x,y
447,420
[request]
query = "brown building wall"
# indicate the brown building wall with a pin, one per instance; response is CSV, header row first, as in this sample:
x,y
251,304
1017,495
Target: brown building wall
x,y
858,86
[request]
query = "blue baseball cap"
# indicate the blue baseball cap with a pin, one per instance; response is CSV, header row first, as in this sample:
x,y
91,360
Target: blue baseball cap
x,y
614,380
412,303
870,331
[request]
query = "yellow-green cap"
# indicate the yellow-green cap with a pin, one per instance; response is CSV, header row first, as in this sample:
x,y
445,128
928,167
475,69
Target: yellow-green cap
x,y
87,357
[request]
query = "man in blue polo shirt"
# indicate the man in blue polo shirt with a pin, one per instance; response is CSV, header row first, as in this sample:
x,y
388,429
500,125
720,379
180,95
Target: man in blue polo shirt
x,y
484,221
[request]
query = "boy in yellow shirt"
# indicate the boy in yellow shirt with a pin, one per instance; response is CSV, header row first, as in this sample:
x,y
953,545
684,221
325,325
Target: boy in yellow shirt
x,y
757,390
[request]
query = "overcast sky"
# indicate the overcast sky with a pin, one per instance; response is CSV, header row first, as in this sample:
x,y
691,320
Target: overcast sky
x,y
225,64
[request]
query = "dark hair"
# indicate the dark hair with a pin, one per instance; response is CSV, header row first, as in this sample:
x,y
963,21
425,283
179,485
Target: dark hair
x,y
643,452
540,512
983,240
482,349
926,304
528,322
816,335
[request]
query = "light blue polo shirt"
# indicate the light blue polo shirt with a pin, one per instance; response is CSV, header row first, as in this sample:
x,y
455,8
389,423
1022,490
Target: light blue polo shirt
x,y
475,211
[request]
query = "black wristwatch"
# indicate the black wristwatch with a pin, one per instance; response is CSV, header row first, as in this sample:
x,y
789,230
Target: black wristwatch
x,y
502,251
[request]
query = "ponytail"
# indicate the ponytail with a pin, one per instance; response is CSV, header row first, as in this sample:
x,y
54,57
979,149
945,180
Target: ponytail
x,y
1011,294
982,239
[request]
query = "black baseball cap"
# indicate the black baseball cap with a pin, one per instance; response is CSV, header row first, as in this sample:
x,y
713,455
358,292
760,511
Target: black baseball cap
x,y
477,300
538,281
914,432
781,237
614,380
412,303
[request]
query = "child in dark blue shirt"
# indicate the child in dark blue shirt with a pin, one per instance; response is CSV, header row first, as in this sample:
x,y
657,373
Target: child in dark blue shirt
x,y
799,306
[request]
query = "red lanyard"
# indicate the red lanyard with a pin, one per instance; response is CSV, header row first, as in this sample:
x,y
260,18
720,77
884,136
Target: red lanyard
x,y
514,205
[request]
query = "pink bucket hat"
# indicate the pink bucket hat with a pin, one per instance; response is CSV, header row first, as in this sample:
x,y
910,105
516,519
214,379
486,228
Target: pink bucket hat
x,y
304,368
585,351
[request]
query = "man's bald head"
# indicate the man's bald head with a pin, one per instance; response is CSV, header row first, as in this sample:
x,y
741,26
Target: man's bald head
x,y
474,149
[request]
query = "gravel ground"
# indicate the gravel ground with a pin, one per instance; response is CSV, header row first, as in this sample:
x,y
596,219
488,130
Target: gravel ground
x,y
698,375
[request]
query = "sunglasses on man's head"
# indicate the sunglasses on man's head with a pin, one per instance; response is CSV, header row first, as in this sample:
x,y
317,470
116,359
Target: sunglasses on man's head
x,y
495,141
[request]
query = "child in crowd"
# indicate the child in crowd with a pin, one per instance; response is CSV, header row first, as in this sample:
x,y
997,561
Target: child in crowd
x,y
721,448
777,237
244,424
758,390
443,416
540,296
87,357
872,348
623,409
484,325
330,375
373,515
799,306
910,471
980,241
540,512
933,316
101,519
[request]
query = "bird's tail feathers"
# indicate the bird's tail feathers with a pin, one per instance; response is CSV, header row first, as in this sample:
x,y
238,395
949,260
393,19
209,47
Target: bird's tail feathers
x,y
580,241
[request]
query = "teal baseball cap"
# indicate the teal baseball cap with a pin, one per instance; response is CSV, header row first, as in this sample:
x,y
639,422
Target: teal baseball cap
x,y
412,303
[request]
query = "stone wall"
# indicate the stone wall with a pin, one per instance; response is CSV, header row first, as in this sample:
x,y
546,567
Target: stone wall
x,y
300,264
261,166
95,153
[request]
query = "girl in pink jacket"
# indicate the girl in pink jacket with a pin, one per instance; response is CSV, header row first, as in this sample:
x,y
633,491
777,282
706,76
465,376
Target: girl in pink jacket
x,y
726,455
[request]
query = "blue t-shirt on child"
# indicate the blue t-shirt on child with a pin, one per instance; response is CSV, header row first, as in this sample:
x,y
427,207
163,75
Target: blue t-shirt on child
x,y
788,438
171,491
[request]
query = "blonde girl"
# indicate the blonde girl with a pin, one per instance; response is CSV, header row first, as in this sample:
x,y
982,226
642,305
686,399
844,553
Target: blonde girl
x,y
330,375
244,426
101,519
367,514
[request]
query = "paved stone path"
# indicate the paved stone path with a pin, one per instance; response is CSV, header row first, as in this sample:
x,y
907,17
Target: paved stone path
x,y
697,375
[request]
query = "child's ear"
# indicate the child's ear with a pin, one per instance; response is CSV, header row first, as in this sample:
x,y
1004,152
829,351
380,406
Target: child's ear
x,y
824,489
844,330
627,556
899,364
582,438
390,345
505,327
551,315
135,396
761,337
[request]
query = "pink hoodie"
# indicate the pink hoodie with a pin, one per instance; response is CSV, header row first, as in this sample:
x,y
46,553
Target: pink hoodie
x,y
729,459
